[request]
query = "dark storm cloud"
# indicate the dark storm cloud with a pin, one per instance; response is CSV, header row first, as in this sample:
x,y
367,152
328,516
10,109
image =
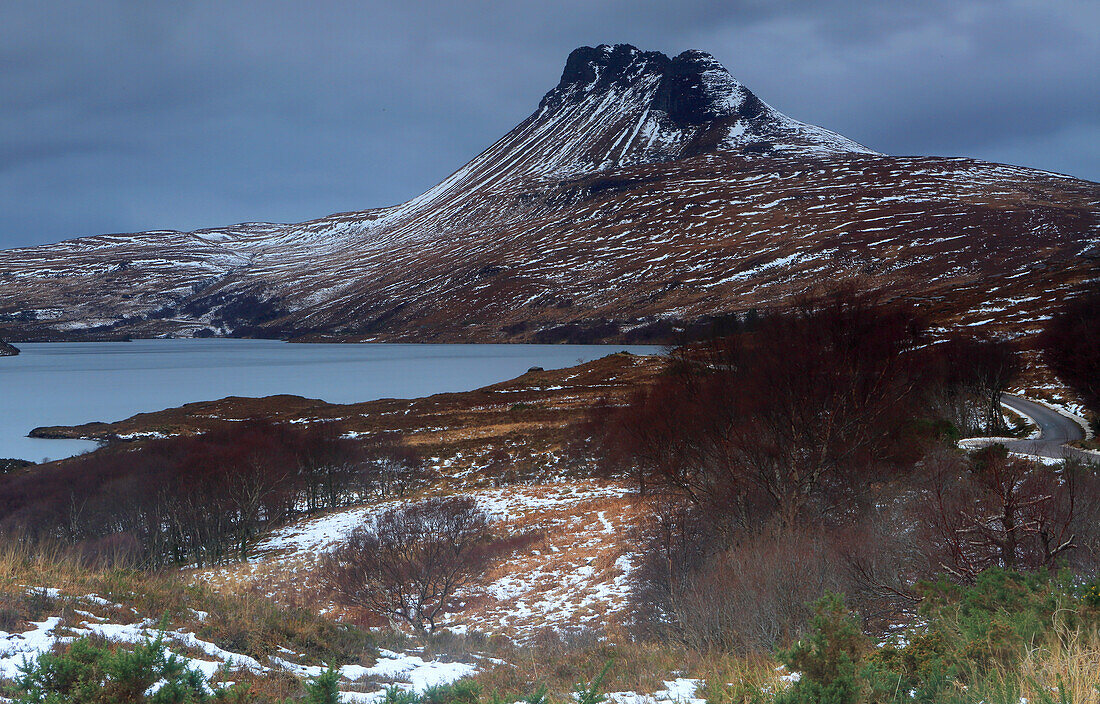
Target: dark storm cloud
x,y
122,116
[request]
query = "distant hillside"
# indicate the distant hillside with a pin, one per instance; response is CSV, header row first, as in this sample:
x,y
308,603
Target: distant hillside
x,y
644,192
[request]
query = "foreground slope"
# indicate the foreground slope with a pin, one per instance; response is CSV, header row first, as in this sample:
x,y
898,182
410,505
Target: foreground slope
x,y
644,190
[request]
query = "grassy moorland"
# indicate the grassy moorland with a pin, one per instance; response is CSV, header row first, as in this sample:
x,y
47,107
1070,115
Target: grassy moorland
x,y
780,514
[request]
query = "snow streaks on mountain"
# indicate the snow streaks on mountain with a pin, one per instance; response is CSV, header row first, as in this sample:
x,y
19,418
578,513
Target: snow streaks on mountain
x,y
643,190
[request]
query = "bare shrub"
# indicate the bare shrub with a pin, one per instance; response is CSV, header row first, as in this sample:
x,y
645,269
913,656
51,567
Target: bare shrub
x,y
880,558
744,591
409,560
999,510
390,469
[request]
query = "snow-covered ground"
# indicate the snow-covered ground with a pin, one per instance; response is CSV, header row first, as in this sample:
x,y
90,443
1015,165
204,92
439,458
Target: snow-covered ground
x,y
678,691
503,505
408,671
18,648
360,684
574,573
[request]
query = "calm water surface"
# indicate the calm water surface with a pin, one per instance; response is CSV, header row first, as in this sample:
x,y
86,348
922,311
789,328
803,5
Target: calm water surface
x,y
72,383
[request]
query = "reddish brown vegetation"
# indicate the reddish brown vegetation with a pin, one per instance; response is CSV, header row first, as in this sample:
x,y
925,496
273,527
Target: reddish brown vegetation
x,y
1071,346
410,560
1004,511
783,421
808,455
198,499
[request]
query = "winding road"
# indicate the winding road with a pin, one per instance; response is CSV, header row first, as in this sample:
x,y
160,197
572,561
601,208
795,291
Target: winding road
x,y
1055,430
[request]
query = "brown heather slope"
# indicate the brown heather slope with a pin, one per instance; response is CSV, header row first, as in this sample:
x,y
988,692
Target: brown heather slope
x,y
643,192
506,445
518,427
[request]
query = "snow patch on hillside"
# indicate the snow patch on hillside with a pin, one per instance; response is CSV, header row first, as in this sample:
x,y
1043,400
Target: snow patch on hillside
x,y
409,671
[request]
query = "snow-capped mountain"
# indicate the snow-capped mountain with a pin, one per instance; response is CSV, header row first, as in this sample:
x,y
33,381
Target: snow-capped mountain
x,y
643,189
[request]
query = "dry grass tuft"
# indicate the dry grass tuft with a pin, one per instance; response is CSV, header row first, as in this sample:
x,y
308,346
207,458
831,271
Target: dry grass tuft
x,y
23,565
560,662
1066,670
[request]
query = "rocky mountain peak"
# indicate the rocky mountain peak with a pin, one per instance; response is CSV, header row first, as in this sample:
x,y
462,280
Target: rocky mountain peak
x,y
643,190
604,65
692,87
626,106
698,89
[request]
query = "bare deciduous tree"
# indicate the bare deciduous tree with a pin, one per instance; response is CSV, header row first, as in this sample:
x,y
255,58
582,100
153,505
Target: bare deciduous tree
x,y
409,561
1002,510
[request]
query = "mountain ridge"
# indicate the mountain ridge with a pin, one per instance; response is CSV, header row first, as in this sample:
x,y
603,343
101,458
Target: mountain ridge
x,y
644,192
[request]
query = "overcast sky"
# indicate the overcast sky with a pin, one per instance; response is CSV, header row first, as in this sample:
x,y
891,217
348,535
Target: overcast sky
x,y
123,116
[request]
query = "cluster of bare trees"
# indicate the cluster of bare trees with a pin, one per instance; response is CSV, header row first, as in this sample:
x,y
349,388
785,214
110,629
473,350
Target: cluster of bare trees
x,y
969,376
201,499
785,420
1071,346
807,454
